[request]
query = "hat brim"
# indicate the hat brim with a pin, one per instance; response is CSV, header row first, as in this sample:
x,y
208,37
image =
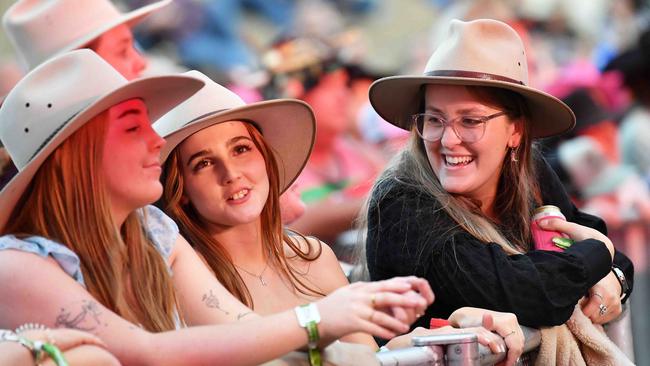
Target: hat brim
x,y
131,19
395,98
160,94
288,127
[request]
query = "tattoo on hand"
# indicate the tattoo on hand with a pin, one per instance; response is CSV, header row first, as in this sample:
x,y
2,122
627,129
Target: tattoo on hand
x,y
211,301
87,319
240,316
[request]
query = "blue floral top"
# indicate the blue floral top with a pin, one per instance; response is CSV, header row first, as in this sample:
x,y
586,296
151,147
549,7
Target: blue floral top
x,y
159,228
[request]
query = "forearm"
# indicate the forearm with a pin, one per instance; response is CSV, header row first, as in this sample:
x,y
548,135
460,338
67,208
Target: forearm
x,y
327,219
12,353
245,343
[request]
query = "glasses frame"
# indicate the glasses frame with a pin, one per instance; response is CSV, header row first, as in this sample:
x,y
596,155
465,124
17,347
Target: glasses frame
x,y
446,123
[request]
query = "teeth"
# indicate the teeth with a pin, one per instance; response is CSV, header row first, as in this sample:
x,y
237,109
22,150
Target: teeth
x,y
456,160
239,195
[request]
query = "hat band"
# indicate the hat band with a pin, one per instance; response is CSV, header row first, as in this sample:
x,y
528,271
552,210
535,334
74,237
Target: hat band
x,y
472,75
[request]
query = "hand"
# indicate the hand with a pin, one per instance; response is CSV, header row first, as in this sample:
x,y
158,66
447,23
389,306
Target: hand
x,y
607,292
576,232
374,307
504,324
63,338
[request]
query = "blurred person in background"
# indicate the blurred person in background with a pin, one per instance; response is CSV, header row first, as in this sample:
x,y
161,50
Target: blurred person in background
x,y
341,168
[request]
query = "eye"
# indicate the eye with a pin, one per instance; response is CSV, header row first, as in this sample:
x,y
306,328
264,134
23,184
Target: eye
x,y
133,128
202,164
471,122
242,148
433,120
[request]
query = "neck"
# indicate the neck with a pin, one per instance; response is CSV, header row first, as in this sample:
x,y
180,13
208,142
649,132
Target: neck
x,y
243,242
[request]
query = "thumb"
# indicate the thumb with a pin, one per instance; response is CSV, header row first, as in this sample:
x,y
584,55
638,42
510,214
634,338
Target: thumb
x,y
488,321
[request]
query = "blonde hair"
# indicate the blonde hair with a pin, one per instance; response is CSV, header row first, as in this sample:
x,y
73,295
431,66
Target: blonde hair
x,y
273,235
67,202
517,193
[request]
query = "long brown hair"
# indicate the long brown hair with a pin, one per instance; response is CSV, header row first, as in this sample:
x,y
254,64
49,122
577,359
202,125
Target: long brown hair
x,y
67,202
273,235
517,193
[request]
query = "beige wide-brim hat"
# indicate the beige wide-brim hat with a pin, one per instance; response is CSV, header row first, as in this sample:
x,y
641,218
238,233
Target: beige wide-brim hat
x,y
288,125
40,29
482,52
55,99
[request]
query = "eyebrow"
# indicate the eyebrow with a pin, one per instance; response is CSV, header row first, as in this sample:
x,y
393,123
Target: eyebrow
x,y
460,111
129,111
198,155
236,139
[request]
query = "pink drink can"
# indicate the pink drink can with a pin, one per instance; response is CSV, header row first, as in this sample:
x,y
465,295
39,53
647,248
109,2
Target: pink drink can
x,y
544,239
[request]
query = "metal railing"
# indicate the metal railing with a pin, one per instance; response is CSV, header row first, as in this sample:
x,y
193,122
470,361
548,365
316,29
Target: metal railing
x,y
459,349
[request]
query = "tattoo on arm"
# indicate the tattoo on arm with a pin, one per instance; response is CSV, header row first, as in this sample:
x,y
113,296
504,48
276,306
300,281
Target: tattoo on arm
x,y
211,301
86,319
240,316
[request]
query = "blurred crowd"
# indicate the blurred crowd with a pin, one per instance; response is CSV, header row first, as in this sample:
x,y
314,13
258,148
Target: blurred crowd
x,y
592,54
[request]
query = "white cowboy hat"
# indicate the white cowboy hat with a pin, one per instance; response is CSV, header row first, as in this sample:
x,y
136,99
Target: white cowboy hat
x,y
40,29
61,95
482,52
288,125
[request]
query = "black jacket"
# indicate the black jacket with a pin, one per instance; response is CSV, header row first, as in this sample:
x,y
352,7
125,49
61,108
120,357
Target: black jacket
x,y
409,234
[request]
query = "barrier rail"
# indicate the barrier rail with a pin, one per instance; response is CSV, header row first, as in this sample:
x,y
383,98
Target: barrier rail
x,y
459,349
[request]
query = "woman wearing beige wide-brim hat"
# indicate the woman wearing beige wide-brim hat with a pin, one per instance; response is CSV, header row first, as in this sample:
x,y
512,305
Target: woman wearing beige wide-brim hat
x,y
41,29
456,204
79,236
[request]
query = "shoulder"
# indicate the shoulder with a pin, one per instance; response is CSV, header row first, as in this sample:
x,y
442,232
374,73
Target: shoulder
x,y
324,270
159,228
45,248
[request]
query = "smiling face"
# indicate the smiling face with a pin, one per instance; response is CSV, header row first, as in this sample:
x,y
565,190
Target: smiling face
x,y
131,158
224,174
117,48
468,169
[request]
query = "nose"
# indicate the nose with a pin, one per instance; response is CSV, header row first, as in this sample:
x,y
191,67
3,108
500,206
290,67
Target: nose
x,y
154,141
139,63
229,172
449,137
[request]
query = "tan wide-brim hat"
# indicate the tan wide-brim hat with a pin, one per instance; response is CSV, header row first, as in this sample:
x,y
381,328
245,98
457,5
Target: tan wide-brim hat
x,y
55,99
482,52
40,29
288,125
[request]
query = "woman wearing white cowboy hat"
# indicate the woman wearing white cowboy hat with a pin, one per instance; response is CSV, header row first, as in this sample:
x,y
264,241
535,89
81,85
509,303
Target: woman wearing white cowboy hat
x,y
224,166
41,29
455,206
79,238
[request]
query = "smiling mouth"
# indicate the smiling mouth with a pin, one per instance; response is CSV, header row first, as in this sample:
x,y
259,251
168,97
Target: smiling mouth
x,y
457,160
239,195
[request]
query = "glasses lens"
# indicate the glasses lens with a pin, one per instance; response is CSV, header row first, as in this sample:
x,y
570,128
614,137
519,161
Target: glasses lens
x,y
429,127
470,129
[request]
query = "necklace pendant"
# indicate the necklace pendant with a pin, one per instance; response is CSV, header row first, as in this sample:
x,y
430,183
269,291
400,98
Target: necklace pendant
x,y
264,283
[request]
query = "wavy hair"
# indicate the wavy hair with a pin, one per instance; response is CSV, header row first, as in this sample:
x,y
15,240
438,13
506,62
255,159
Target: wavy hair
x,y
215,254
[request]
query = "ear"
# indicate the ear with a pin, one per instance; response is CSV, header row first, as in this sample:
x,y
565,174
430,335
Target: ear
x,y
517,133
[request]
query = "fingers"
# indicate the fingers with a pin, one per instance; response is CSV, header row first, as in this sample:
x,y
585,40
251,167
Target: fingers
x,y
386,300
384,325
422,287
590,307
515,344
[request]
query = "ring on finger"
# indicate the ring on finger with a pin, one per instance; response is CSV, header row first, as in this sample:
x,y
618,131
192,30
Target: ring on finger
x,y
602,309
373,300
509,334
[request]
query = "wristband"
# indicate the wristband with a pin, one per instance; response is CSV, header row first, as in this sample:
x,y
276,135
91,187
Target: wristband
x,y
34,347
625,287
308,318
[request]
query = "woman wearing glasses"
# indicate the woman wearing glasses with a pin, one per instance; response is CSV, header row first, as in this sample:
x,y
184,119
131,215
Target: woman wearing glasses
x,y
455,205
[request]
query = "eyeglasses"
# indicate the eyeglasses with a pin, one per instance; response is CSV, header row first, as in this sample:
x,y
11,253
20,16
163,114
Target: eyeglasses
x,y
469,129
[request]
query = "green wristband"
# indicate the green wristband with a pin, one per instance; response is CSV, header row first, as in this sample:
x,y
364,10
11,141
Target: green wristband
x,y
55,354
308,318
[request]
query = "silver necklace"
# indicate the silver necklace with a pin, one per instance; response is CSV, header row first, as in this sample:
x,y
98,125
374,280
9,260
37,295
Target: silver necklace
x,y
259,277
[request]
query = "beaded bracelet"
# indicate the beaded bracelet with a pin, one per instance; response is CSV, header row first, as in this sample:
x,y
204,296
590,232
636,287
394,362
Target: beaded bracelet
x,y
36,348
